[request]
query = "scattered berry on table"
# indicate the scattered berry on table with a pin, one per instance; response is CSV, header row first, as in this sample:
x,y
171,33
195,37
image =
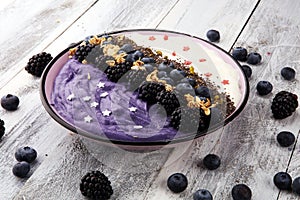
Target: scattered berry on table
x,y
202,194
2,128
96,185
212,161
241,192
296,185
38,63
21,169
240,54
284,104
213,35
247,70
264,87
285,138
283,181
253,58
177,182
10,102
26,153
288,73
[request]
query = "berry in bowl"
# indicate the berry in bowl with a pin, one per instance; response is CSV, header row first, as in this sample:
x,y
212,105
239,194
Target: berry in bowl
x,y
143,89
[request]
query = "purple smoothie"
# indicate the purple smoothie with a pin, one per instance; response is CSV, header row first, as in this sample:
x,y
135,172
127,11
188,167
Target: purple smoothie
x,y
84,97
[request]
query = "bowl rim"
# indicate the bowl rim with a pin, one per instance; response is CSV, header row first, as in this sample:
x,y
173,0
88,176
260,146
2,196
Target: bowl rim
x,y
84,133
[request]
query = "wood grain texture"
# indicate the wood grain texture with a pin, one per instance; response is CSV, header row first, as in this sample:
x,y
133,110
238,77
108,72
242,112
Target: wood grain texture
x,y
27,27
247,146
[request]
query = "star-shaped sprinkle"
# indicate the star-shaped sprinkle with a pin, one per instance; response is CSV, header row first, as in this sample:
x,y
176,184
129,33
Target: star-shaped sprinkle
x,y
225,82
202,60
186,48
166,37
106,113
152,38
132,109
88,119
87,98
100,85
104,94
208,74
137,127
71,97
94,104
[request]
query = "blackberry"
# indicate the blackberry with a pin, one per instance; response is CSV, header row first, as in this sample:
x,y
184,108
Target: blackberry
x,y
188,119
149,91
38,63
114,73
96,185
82,51
284,104
2,128
168,100
135,78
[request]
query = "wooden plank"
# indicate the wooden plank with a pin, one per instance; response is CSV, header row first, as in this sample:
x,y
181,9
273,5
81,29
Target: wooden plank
x,y
27,27
247,146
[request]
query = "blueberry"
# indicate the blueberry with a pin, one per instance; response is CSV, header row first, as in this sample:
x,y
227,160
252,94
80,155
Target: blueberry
x,y
247,70
215,116
254,58
285,138
192,82
27,154
296,185
164,67
241,192
126,48
149,67
147,60
240,53
288,73
21,169
211,161
130,58
202,194
177,75
282,180
171,65
137,55
203,91
177,182
185,88
10,102
168,80
264,87
213,35
161,74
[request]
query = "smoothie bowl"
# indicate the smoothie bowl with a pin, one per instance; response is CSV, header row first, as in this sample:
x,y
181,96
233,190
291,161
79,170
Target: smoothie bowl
x,y
143,89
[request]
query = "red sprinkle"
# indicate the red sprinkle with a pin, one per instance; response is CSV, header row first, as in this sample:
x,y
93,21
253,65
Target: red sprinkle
x,y
152,38
186,48
174,53
166,37
187,62
269,53
202,60
208,74
225,82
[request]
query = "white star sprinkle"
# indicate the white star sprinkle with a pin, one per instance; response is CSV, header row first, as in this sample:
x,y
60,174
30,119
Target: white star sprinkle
x,y
87,98
88,119
106,113
101,85
104,94
71,97
137,127
94,104
132,109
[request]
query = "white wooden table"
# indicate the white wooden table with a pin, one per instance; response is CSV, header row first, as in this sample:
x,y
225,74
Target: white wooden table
x,y
247,146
